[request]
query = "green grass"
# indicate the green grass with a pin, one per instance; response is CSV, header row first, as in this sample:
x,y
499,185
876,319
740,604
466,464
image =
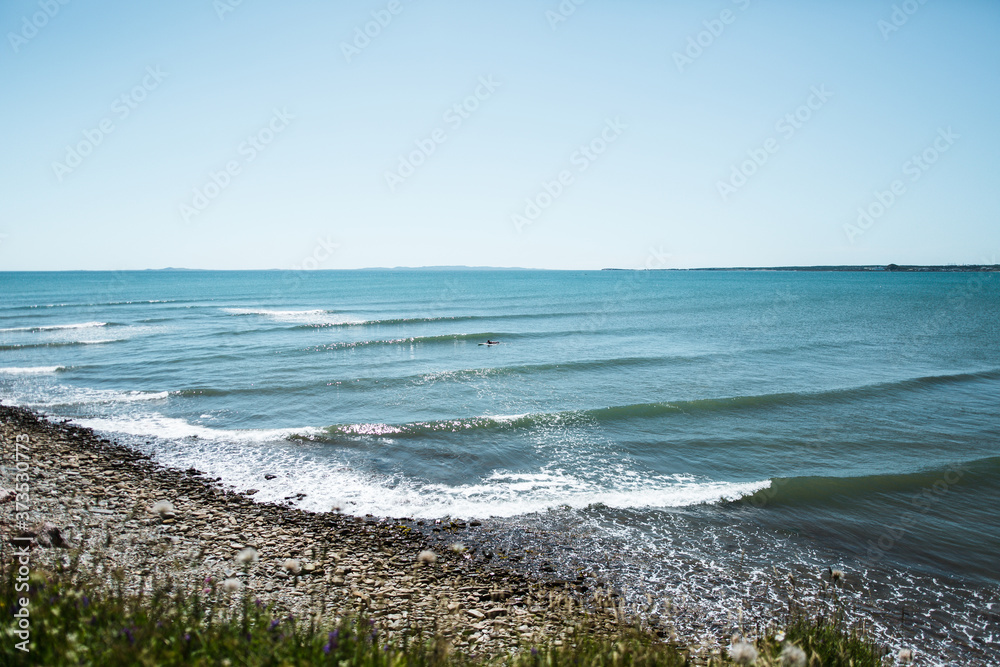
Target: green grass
x,y
73,623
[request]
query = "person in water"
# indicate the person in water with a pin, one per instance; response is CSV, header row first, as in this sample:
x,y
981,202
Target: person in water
x,y
492,342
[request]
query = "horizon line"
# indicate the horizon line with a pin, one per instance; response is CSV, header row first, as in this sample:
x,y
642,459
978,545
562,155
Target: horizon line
x,y
462,267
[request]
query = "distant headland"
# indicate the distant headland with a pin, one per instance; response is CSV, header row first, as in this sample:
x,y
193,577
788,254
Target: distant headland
x,y
902,268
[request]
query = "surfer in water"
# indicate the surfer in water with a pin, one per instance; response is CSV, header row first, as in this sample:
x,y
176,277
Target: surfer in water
x,y
492,342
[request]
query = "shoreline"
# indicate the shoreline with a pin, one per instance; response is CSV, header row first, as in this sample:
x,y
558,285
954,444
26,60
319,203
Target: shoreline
x,y
98,494
507,591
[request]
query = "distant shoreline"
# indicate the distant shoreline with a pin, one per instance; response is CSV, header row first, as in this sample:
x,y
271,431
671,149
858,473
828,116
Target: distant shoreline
x,y
900,268
891,268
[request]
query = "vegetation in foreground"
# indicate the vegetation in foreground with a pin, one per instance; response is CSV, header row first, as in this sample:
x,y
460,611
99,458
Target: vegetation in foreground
x,y
73,622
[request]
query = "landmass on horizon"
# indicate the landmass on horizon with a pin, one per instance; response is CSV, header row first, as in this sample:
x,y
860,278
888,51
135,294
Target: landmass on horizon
x,y
901,268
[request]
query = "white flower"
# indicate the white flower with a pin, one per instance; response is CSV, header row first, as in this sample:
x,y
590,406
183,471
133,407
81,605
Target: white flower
x,y
780,636
743,653
793,656
292,565
458,547
427,557
905,655
164,508
247,556
231,585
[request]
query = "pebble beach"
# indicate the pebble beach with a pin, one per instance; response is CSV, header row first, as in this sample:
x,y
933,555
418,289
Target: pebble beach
x,y
126,516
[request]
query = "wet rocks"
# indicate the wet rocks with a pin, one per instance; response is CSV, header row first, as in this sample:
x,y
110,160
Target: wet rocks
x,y
347,565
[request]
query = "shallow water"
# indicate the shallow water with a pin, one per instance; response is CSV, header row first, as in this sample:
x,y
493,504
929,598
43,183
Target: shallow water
x,y
701,426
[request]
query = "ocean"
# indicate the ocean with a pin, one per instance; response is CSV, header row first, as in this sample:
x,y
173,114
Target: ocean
x,y
690,437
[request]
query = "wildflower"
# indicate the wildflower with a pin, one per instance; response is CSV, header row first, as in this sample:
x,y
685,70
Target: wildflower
x,y
427,557
274,623
793,656
458,547
905,655
231,585
779,636
743,653
247,556
292,566
164,508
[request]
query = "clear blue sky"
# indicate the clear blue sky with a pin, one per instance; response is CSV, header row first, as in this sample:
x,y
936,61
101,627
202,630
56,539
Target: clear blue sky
x,y
182,85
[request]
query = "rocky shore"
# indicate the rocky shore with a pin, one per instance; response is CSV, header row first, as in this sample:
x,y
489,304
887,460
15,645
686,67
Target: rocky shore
x,y
95,499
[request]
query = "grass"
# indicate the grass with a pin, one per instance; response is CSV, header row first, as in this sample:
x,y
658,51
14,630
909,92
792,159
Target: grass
x,y
74,621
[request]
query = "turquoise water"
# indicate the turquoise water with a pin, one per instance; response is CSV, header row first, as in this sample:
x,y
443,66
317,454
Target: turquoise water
x,y
851,418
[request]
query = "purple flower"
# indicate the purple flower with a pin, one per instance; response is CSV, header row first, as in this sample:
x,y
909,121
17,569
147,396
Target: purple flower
x,y
187,636
534,651
274,623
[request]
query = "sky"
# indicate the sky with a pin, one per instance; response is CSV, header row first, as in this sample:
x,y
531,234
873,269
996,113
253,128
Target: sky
x,y
579,134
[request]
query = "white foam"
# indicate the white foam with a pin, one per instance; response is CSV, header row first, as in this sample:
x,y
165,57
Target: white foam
x,y
67,396
173,428
328,482
31,370
54,327
314,316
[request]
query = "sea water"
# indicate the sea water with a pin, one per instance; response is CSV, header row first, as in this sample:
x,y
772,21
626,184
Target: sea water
x,y
687,435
